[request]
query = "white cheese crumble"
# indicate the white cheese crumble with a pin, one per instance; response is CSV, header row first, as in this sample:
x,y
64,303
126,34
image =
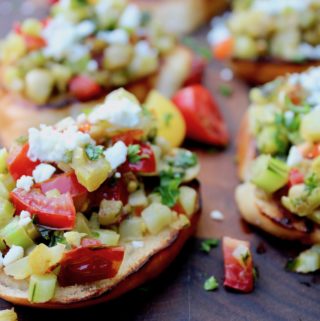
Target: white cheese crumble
x,y
217,215
276,7
117,175
219,31
116,155
48,144
240,252
25,218
121,112
25,182
295,157
137,244
117,36
226,74
131,17
43,172
14,254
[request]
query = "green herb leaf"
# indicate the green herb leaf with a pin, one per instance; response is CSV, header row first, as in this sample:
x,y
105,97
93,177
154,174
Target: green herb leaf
x,y
245,257
311,182
200,50
225,90
167,117
134,154
207,245
211,284
52,237
185,159
93,152
22,140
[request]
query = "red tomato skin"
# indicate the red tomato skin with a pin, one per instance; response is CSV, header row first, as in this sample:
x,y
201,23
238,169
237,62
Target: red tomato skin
x,y
66,183
84,88
34,42
19,163
145,165
201,113
178,208
129,137
89,264
295,177
53,212
237,276
197,71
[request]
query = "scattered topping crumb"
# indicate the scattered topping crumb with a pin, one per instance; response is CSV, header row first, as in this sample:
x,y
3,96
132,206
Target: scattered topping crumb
x,y
207,245
226,74
25,182
211,284
217,215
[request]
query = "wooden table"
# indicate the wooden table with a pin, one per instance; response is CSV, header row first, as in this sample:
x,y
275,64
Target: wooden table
x,y
178,294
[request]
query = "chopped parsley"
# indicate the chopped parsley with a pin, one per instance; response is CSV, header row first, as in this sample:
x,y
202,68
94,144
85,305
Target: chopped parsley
x,y
207,245
311,183
52,237
93,152
225,90
22,140
200,50
167,117
245,257
169,187
184,159
211,284
134,154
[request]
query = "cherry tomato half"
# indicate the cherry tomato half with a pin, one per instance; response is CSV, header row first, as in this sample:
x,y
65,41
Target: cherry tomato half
x,y
202,115
84,88
55,212
89,264
238,273
19,163
295,177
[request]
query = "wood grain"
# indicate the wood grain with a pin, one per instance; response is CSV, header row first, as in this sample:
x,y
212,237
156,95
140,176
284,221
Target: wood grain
x,y
178,294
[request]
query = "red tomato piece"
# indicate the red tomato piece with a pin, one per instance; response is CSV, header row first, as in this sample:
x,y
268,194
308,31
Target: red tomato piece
x,y
146,165
202,115
84,88
89,264
34,42
238,273
295,177
178,208
224,49
110,190
196,73
128,137
314,152
66,183
19,163
54,212
87,242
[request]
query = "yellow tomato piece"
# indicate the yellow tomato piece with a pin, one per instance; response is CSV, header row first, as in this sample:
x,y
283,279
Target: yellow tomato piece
x,y
170,122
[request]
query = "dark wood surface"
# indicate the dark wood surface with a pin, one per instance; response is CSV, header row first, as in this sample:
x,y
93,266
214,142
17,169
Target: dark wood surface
x,y
178,294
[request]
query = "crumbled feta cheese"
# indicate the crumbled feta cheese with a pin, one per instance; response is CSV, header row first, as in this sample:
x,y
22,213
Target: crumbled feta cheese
x,y
217,215
92,65
82,118
116,155
131,17
143,49
121,112
65,123
25,182
14,254
276,7
295,157
219,31
240,252
25,218
226,74
118,36
117,175
43,172
137,244
48,144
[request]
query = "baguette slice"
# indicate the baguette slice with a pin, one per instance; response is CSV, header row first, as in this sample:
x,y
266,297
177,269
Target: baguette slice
x,y
182,16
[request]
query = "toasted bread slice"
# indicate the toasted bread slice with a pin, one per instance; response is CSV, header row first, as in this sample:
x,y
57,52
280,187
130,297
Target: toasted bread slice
x,y
182,16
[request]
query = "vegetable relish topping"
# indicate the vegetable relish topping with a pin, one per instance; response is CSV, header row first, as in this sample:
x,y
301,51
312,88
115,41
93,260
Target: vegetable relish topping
x,y
284,119
82,49
76,195
283,29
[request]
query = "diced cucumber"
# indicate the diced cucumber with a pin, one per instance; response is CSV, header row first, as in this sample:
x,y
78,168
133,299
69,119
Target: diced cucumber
x,y
82,224
91,174
188,199
42,288
6,212
132,229
3,160
19,270
310,126
271,140
308,261
157,217
108,237
14,234
109,212
269,174
8,315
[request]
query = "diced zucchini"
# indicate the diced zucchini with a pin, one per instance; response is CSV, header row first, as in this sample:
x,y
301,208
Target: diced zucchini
x,y
42,258
6,212
109,212
42,288
157,217
188,199
108,237
39,85
91,174
138,198
310,126
19,269
132,229
74,238
14,234
269,174
3,160
82,224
